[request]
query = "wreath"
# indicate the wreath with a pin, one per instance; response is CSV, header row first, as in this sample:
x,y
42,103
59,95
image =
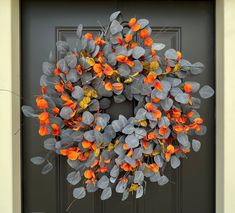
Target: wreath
x,y
122,63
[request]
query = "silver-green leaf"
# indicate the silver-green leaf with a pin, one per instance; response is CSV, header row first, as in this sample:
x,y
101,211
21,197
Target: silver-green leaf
x,y
106,193
132,141
74,177
79,193
114,15
37,160
163,180
103,182
78,93
175,162
206,92
87,118
47,168
196,145
115,27
171,54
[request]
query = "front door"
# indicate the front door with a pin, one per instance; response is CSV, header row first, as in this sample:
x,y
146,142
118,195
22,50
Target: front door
x,y
184,25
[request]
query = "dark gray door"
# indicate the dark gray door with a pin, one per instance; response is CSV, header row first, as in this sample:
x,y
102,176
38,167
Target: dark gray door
x,y
184,25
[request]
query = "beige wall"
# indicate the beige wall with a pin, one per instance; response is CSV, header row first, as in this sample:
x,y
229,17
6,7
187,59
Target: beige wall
x,y
229,105
9,107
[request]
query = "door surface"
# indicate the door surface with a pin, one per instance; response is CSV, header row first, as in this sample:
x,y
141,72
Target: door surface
x,y
184,25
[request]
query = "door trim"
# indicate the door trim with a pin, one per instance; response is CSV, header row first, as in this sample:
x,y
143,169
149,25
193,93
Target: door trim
x,y
10,184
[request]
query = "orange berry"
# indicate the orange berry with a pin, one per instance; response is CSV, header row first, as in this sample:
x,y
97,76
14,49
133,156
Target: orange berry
x,y
43,131
144,33
148,42
43,116
188,88
135,27
128,38
88,36
132,22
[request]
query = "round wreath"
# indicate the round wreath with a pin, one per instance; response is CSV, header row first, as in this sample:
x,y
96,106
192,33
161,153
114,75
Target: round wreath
x,y
122,63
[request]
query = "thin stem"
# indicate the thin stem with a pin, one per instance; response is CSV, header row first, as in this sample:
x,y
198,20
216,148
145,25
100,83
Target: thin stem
x,y
14,93
103,28
6,90
70,205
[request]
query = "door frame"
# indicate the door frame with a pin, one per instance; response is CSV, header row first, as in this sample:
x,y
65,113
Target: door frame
x,y
10,157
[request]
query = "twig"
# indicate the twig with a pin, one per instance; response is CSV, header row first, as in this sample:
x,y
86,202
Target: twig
x,y
70,205
103,28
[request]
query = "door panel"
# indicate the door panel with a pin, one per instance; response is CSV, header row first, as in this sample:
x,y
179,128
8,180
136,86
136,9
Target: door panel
x,y
184,25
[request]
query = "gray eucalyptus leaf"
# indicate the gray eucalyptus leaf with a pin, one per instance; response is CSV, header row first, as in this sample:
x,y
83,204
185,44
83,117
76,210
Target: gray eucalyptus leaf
x,y
72,76
117,126
79,31
121,186
114,171
129,129
28,111
79,193
195,85
87,118
103,182
125,195
155,177
115,27
66,112
182,98
48,68
91,187
74,177
138,177
197,68
132,141
114,15
182,138
140,133
206,92
158,46
124,70
94,105
47,168
106,193
138,52
143,23
112,59
71,61
89,135
139,192
166,104
37,160
140,115
196,145
175,162
163,180
49,144
62,46
138,67
171,54
78,93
